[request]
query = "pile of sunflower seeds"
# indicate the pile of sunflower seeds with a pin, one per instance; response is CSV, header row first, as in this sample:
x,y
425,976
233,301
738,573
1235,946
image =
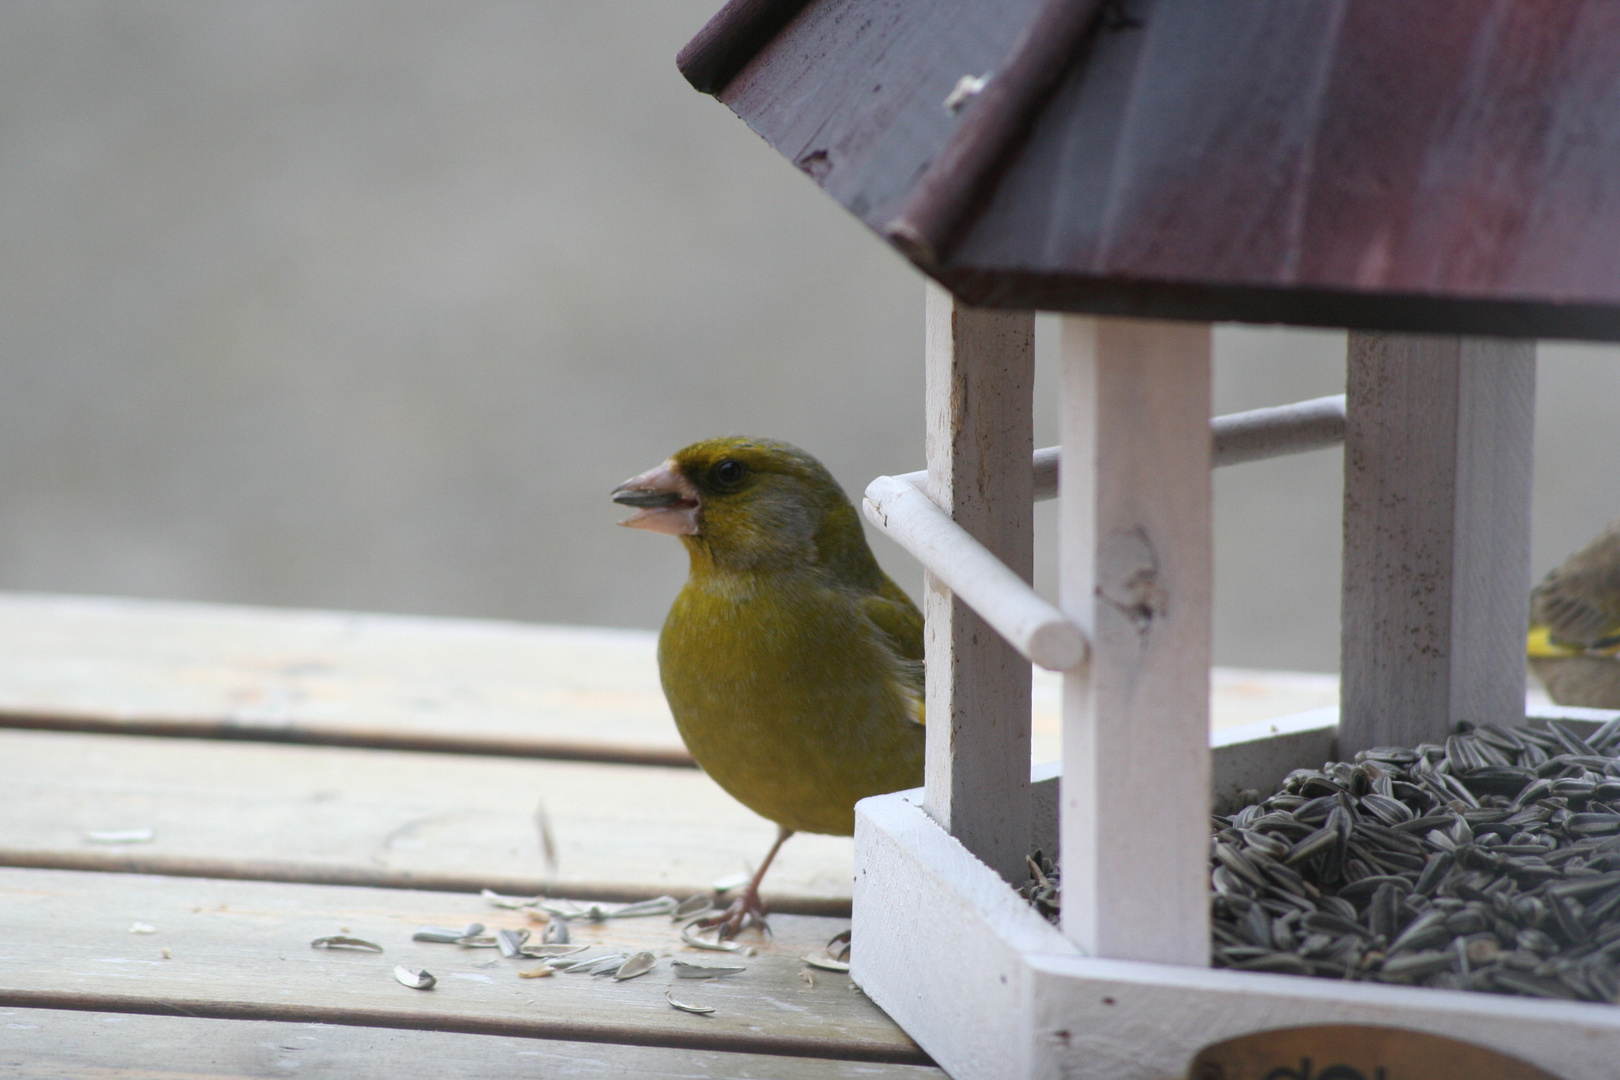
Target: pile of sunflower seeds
x,y
1044,889
1489,863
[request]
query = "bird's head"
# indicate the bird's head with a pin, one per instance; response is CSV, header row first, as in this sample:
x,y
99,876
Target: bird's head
x,y
745,502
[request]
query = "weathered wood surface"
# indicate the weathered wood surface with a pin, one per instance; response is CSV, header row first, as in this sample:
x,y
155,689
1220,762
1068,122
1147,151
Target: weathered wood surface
x,y
853,93
1454,168
1436,536
80,663
1135,570
978,433
213,670
240,950
374,817
54,1044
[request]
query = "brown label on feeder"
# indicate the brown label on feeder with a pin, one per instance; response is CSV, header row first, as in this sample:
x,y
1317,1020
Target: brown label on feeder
x,y
1355,1052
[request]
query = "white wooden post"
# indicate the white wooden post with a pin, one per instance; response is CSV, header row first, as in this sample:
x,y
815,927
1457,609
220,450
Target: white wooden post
x,y
1135,572
979,441
1436,535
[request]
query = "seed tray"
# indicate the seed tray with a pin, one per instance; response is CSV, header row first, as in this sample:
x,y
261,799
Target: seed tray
x,y
991,989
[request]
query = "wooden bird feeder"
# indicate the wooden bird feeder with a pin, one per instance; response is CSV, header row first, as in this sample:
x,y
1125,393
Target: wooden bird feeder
x,y
1441,179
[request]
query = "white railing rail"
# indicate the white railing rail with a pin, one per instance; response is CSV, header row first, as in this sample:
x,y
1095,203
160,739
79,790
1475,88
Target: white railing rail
x,y
898,506
1038,630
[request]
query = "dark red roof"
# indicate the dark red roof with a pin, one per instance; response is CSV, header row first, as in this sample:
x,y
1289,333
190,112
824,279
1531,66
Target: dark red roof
x,y
1449,165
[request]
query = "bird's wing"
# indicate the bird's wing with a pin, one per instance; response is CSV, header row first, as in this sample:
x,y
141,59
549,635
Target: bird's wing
x,y
1579,603
901,625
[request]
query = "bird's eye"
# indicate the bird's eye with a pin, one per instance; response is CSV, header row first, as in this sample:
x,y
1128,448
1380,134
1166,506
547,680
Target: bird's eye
x,y
729,473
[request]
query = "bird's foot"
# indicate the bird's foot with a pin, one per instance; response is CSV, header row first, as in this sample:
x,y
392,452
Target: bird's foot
x,y
745,911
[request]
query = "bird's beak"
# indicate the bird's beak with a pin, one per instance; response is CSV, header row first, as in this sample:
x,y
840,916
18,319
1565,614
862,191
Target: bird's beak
x,y
667,502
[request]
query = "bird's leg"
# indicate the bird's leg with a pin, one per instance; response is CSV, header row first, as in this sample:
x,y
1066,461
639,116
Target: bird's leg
x,y
747,909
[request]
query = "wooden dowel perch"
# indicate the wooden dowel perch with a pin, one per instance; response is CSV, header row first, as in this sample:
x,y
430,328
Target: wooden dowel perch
x,y
1239,437
1034,627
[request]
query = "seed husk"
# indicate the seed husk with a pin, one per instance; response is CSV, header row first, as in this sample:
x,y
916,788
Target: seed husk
x,y
700,1010
342,941
686,970
416,980
827,963
638,964
511,942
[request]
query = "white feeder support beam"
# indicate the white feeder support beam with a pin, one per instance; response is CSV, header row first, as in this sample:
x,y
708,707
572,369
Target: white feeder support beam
x,y
979,431
1039,631
1436,535
1135,570
1238,438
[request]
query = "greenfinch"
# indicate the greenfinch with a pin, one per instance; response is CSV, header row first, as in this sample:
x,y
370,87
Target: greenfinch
x,y
792,663
1575,626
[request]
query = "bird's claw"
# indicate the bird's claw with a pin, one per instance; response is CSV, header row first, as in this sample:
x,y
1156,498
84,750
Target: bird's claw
x,y
745,911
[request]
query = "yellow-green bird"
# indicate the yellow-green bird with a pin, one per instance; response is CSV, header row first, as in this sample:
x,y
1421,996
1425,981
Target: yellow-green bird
x,y
1574,642
792,663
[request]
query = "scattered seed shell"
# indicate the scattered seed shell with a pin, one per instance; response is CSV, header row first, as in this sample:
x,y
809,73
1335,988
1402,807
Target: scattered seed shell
x,y
539,972
689,935
547,952
685,970
416,980
826,963
511,942
693,905
510,902
142,928
442,934
732,881
639,964
343,941
700,1010
556,932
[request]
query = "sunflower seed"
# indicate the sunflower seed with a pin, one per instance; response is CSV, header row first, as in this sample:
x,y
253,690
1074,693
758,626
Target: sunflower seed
x,y
416,980
701,1010
686,970
692,905
827,963
717,945
511,942
340,941
638,964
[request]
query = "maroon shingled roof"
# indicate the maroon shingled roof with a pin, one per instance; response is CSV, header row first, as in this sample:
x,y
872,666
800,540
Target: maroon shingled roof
x,y
1449,165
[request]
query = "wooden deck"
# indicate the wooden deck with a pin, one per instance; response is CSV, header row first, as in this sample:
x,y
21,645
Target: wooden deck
x,y
197,792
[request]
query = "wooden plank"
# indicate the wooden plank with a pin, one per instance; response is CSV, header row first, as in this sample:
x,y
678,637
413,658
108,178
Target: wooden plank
x,y
52,1044
979,436
456,685
1135,570
1437,536
240,950
370,817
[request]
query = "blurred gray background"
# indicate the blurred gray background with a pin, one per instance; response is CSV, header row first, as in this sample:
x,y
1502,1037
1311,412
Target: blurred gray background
x,y
367,305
